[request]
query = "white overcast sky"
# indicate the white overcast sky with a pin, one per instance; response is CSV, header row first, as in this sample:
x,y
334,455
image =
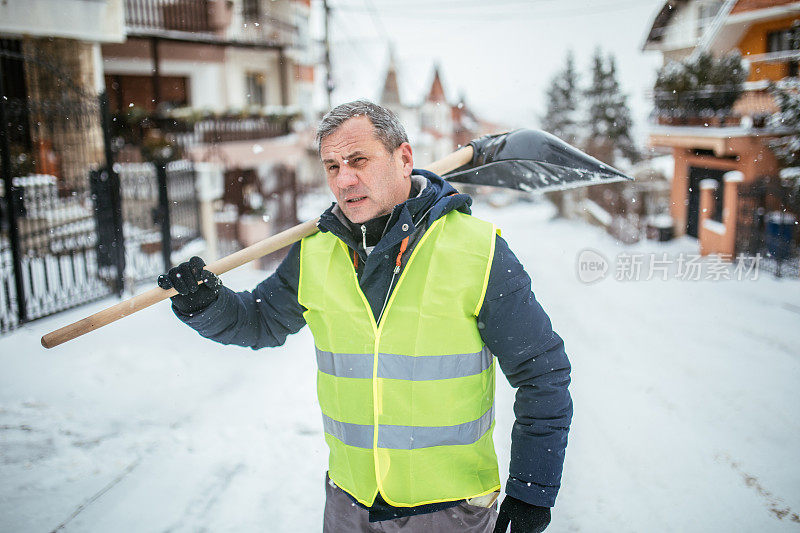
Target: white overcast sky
x,y
500,53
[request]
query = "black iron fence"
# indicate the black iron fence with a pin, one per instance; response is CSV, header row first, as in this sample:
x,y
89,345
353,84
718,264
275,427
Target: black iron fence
x,y
159,212
75,227
766,226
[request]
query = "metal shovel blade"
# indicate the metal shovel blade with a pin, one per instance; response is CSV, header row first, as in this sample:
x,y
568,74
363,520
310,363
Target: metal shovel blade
x,y
533,176
533,160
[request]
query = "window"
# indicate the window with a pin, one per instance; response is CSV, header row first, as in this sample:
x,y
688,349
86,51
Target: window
x,y
784,41
254,84
251,10
779,41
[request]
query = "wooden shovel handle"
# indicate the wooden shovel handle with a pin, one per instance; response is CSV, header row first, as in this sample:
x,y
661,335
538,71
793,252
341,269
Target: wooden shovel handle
x,y
220,266
157,294
460,157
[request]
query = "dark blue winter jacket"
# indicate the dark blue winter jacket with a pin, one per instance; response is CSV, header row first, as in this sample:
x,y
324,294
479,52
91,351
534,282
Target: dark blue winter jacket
x,y
512,324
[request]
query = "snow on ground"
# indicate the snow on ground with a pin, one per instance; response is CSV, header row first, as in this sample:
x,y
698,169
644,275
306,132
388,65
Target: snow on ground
x,y
685,399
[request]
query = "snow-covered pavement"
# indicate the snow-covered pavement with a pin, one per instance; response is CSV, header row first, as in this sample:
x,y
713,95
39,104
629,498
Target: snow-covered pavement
x,y
685,392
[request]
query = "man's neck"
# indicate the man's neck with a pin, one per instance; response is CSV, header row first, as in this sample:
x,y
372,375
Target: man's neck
x,y
376,227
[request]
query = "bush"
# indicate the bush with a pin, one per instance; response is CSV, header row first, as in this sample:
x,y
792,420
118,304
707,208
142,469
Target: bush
x,y
705,86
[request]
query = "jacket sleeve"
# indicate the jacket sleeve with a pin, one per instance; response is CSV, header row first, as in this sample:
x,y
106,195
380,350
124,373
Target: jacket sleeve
x,y
518,332
263,317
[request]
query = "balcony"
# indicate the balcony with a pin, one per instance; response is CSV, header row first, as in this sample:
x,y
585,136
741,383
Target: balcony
x,y
229,129
773,66
190,128
265,28
206,20
192,16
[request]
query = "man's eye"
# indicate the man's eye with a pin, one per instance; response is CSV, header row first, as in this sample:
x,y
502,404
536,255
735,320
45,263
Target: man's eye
x,y
359,160
332,168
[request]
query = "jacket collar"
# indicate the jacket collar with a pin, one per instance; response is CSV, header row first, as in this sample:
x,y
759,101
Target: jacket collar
x,y
435,199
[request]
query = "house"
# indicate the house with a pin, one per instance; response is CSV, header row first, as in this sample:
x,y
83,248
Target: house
x,y
435,127
96,96
227,73
227,81
719,162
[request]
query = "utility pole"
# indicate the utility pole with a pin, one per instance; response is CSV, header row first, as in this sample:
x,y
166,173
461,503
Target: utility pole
x,y
328,74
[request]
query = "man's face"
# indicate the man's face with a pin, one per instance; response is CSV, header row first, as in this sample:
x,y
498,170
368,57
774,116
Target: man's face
x,y
366,179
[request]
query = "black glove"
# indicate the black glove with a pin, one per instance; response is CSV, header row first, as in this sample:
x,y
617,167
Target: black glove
x,y
487,148
192,296
524,517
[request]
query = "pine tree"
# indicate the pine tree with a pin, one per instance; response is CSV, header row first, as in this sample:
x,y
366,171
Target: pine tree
x,y
561,118
609,120
787,148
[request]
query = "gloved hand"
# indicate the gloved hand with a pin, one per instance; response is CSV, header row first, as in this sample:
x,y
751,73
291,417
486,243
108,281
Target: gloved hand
x,y
524,517
486,149
192,296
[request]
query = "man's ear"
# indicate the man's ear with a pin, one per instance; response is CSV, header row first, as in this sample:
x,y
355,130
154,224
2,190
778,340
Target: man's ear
x,y
406,158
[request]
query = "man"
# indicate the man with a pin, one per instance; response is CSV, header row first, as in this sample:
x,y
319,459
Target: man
x,y
408,298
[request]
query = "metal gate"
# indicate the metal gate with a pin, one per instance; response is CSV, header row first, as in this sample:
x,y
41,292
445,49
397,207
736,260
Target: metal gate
x,y
160,215
763,206
70,231
51,140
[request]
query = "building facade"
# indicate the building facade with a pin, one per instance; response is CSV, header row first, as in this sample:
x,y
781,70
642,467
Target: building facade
x,y
718,158
435,126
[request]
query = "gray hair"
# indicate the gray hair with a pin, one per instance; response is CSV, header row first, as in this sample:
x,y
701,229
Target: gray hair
x,y
387,126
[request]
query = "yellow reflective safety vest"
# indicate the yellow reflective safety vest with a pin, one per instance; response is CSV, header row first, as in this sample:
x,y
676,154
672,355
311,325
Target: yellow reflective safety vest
x,y
407,403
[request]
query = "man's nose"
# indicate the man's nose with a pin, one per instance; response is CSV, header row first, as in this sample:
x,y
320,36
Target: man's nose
x,y
346,177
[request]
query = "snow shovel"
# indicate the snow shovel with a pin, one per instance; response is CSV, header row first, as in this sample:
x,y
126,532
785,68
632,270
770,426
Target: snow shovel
x,y
526,160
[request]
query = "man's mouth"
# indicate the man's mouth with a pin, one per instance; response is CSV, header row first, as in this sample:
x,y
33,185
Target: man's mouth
x,y
355,199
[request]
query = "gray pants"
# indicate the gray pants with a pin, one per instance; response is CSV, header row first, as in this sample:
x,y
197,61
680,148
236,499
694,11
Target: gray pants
x,y
343,516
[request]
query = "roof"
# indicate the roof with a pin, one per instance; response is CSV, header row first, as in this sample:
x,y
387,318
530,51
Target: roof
x,y
391,90
662,20
436,94
752,5
743,14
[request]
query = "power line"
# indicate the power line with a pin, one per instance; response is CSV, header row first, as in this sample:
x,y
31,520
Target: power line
x,y
355,45
488,12
328,73
376,18
455,4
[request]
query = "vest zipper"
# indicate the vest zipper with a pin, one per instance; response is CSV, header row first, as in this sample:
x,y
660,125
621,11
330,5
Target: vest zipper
x,y
364,237
398,263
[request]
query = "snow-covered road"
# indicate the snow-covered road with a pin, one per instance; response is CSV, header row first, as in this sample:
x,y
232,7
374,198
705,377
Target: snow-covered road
x,y
685,399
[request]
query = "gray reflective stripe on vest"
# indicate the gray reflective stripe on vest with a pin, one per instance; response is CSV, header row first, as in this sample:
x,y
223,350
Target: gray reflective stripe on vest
x,y
413,437
345,365
392,366
428,367
358,435
409,437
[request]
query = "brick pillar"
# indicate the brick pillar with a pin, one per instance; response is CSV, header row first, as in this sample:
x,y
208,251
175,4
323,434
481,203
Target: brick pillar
x,y
678,195
705,237
730,211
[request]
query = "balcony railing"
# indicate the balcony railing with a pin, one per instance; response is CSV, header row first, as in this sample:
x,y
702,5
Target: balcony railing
x,y
701,108
186,128
266,28
176,15
208,18
231,129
